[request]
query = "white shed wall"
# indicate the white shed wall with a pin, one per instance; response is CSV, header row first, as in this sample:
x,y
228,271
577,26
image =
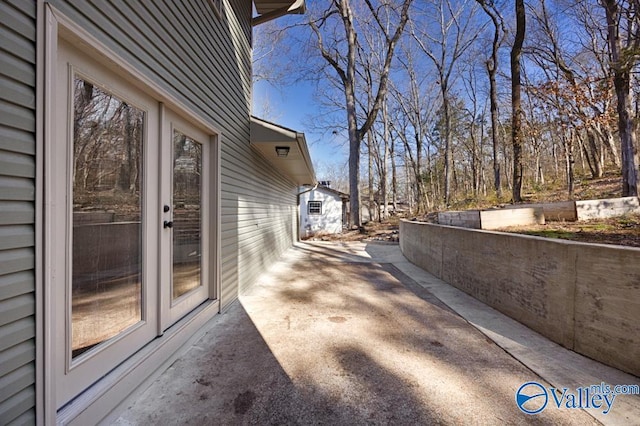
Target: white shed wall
x,y
330,221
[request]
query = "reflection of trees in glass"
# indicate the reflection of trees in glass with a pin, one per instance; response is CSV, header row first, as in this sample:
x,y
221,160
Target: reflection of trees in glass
x,y
187,164
107,148
107,206
187,214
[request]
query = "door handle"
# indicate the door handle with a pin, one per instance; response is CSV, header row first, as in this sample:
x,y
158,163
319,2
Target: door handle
x,y
168,224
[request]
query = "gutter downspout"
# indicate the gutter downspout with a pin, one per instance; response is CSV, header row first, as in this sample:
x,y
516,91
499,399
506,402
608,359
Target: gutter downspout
x,y
301,141
298,204
296,8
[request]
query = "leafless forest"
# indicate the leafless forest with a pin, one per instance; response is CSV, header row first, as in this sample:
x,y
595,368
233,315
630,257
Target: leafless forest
x,y
446,101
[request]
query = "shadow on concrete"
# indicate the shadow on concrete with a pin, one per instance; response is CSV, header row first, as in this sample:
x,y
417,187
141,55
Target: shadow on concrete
x,y
560,367
340,343
381,348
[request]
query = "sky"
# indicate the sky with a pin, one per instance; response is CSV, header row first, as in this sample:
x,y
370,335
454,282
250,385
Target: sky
x,y
294,106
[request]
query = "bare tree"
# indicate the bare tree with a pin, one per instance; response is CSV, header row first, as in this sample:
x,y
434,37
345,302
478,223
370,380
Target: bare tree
x,y
341,53
266,68
499,31
415,105
623,30
474,143
516,104
267,47
576,87
595,42
453,36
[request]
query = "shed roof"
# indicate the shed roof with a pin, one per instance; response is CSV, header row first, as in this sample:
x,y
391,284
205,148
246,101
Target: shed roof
x,y
297,165
333,191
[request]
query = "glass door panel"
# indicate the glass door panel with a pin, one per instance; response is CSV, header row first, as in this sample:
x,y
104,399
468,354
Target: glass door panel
x,y
101,192
187,215
184,248
106,291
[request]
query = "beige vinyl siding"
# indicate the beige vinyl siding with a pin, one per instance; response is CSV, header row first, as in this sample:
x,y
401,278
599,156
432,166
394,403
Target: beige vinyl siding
x,y
258,221
17,211
197,58
205,62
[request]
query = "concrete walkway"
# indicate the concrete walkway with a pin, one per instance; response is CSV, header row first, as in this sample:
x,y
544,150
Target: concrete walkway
x,y
352,333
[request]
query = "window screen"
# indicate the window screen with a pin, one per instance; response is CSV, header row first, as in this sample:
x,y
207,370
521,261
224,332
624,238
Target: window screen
x,y
315,207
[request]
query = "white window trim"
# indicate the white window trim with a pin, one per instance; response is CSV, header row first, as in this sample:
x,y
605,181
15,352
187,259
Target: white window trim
x,y
103,397
309,212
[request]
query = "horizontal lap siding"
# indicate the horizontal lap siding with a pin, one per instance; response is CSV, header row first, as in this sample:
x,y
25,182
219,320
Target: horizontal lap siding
x,y
258,221
205,62
17,211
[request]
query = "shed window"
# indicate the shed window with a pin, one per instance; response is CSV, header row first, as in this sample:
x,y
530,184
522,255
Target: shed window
x,y
315,207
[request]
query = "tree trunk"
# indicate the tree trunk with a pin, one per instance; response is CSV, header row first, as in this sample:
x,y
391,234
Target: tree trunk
x,y
611,146
420,192
354,160
516,107
596,155
370,175
448,160
621,67
492,70
497,184
569,162
394,179
385,159
408,187
586,153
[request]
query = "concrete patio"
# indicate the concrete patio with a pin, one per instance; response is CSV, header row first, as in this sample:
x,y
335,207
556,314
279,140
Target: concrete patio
x,y
352,333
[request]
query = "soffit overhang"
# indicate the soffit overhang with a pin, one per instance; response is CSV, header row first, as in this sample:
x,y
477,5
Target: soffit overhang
x,y
297,165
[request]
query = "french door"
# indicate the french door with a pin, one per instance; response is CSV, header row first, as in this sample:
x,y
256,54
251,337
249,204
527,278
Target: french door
x,y
185,156
129,220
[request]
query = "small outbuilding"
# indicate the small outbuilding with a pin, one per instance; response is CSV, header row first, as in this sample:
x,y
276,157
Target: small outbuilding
x,y
323,210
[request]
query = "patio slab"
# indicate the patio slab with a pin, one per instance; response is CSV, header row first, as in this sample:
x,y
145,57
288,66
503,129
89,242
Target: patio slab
x,y
348,333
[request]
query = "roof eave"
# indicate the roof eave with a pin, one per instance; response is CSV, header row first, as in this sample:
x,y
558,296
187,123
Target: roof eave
x,y
271,10
266,136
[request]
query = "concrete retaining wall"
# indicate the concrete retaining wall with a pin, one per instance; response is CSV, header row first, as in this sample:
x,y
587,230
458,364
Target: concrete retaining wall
x,y
585,297
466,219
493,219
584,210
560,211
105,251
599,209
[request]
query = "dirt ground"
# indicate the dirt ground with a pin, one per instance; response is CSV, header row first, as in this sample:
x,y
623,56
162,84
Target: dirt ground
x,y
624,231
388,230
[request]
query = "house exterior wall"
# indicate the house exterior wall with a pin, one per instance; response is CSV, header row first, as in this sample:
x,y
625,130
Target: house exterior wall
x,y
17,211
198,59
206,63
330,221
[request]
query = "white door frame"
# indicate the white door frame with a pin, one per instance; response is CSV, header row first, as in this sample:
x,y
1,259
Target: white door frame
x,y
98,400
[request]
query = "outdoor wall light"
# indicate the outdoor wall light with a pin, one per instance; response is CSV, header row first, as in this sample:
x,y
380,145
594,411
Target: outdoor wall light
x,y
282,151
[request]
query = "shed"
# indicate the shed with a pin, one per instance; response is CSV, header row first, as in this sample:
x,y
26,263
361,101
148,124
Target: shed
x,y
323,210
